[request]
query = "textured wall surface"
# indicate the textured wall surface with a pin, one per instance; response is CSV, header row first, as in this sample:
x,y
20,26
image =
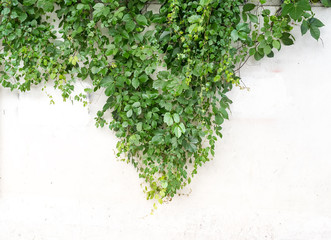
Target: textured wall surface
x,y
271,178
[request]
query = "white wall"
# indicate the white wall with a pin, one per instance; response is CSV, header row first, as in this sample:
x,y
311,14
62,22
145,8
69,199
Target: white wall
x,y
271,179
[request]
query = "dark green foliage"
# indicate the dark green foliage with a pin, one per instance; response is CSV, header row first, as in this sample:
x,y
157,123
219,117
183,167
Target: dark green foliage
x,y
167,121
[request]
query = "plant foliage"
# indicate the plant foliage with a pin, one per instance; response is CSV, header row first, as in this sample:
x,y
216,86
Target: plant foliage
x,y
166,73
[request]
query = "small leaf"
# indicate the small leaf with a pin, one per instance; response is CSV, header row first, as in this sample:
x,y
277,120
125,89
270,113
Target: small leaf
x,y
276,44
178,132
252,51
234,35
219,119
176,118
139,126
130,25
110,90
168,119
29,2
135,83
136,104
248,7
129,113
315,32
141,20
253,18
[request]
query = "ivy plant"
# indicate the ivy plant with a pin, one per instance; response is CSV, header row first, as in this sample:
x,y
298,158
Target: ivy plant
x,y
166,74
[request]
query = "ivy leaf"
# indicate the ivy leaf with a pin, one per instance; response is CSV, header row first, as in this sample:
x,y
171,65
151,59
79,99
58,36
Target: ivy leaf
x,y
248,7
100,10
46,5
141,20
286,39
304,27
22,17
6,11
106,81
194,19
129,113
315,32
253,18
258,56
139,126
110,90
130,25
29,2
176,118
136,104
296,10
252,51
177,131
234,35
157,139
219,119
168,119
182,127
315,22
276,44
143,78
135,83
326,3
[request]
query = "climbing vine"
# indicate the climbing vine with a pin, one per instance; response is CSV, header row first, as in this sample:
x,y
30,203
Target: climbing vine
x,y
166,73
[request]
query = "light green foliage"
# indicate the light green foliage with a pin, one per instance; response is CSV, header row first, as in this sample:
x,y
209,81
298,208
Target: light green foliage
x,y
167,121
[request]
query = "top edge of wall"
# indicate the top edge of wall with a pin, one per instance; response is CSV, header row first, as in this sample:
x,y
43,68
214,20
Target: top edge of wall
x,y
268,3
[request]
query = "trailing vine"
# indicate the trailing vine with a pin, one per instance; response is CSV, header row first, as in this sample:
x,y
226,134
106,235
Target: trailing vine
x,y
166,73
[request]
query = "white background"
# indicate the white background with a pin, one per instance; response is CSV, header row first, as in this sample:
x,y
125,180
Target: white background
x,y
271,178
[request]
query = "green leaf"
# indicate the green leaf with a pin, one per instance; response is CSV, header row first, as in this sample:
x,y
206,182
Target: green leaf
x,y
326,3
157,139
252,51
276,44
136,104
176,118
304,27
267,49
100,10
168,119
204,2
286,39
194,19
296,10
177,131
258,56
234,35
95,70
315,22
141,20
135,83
315,32
139,126
182,127
29,2
6,11
248,7
129,113
143,78
219,119
224,113
253,18
110,90
46,5
130,25
106,81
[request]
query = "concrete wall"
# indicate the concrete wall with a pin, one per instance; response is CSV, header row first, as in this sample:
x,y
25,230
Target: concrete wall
x,y
271,178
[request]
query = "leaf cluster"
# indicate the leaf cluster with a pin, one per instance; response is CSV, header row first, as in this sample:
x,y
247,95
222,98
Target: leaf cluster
x,y
166,74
